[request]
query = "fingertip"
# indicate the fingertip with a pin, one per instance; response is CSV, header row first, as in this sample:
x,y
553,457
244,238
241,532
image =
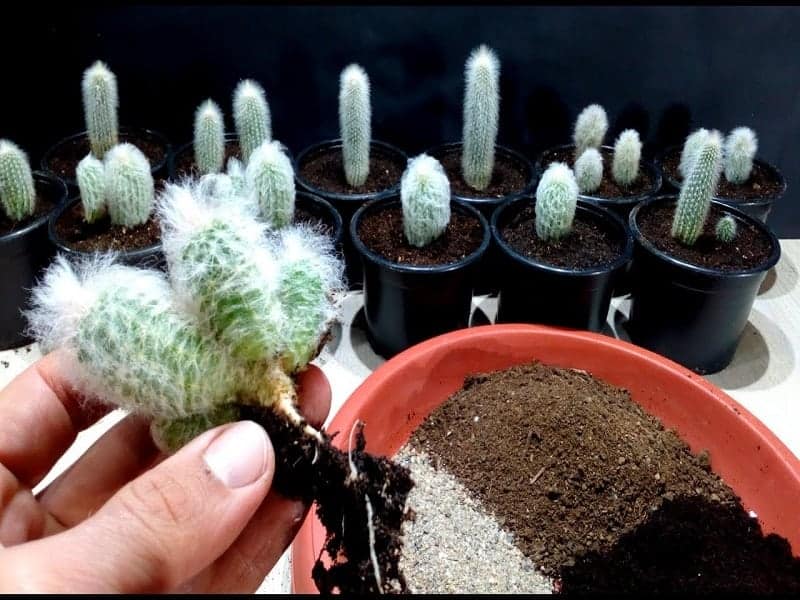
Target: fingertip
x,y
314,395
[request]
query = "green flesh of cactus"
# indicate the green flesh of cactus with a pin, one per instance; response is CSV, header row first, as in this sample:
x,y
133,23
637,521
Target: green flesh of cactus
x,y
726,229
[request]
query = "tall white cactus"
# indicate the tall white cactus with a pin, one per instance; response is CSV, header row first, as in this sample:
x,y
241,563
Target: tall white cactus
x,y
355,117
481,115
697,191
740,150
627,154
17,190
209,138
691,148
100,102
251,116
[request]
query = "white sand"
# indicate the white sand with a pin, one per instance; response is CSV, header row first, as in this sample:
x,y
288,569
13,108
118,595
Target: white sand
x,y
455,546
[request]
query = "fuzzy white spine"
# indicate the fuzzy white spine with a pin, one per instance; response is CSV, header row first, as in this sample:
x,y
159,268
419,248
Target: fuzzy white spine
x,y
697,190
271,178
627,154
726,229
691,147
129,185
91,176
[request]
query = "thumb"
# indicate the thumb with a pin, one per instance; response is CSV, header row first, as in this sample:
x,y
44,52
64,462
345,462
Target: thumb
x,y
170,523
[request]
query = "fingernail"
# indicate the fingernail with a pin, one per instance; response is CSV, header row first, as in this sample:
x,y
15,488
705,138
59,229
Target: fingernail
x,y
241,455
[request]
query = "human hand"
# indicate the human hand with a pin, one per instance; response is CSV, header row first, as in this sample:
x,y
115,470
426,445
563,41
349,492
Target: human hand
x,y
126,518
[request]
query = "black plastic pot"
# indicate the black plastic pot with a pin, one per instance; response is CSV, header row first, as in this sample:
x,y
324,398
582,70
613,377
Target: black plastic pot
x,y
405,304
486,280
322,209
188,147
690,314
151,257
535,292
160,169
758,208
348,204
23,256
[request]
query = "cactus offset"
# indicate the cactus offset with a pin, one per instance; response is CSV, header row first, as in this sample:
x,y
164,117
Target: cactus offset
x,y
425,200
481,114
589,170
697,190
590,128
726,229
251,116
355,115
627,154
271,178
17,190
740,150
100,102
129,186
691,147
91,176
209,138
556,200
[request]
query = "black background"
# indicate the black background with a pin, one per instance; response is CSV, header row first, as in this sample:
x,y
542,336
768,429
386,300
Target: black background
x,y
662,70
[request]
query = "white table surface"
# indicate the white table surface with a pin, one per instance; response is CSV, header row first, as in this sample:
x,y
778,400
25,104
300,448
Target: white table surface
x,y
764,375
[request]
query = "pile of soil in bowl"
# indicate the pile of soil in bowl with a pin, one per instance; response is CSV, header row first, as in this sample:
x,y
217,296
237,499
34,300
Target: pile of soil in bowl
x,y
325,171
44,205
761,184
507,176
382,232
185,166
608,187
74,232
591,243
748,250
591,489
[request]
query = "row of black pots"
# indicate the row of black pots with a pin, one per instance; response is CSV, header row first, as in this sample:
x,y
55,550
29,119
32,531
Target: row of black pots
x,y
690,314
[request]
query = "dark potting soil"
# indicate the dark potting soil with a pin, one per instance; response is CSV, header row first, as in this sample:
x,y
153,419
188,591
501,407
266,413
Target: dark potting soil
x,y
761,184
590,244
184,162
507,177
325,171
750,248
101,235
576,470
608,187
314,471
44,205
66,159
382,232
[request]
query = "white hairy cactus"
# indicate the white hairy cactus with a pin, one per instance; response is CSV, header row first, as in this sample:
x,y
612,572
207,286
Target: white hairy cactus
x,y
627,154
589,170
481,115
590,128
691,147
100,102
251,116
697,191
91,176
425,200
740,150
17,190
129,185
355,116
209,138
270,176
556,200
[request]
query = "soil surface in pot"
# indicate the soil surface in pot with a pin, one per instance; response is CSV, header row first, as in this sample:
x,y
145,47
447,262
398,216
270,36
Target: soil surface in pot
x,y
45,203
102,235
382,232
507,177
608,187
592,489
590,243
185,165
325,171
64,161
750,248
761,184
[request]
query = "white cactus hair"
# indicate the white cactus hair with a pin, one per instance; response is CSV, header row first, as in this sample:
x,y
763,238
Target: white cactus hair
x,y
589,170
627,155
741,146
355,122
590,128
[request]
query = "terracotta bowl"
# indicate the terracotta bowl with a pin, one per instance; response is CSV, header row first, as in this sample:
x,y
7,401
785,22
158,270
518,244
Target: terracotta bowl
x,y
401,393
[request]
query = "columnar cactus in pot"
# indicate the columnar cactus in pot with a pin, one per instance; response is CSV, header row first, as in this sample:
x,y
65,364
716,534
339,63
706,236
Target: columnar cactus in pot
x,y
425,199
556,199
243,308
697,191
481,115
17,191
100,102
590,128
252,117
209,138
355,122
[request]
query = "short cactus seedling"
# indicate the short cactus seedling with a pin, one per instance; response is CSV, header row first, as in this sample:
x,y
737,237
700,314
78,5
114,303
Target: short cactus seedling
x,y
209,138
425,200
740,149
251,116
270,176
91,176
17,190
100,102
726,229
590,128
481,114
691,147
589,170
355,122
556,200
129,186
627,154
220,338
697,190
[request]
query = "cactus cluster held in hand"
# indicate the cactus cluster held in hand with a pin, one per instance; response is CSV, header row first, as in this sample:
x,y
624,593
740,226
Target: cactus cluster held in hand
x,y
556,200
355,122
100,102
17,190
425,200
697,191
481,114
